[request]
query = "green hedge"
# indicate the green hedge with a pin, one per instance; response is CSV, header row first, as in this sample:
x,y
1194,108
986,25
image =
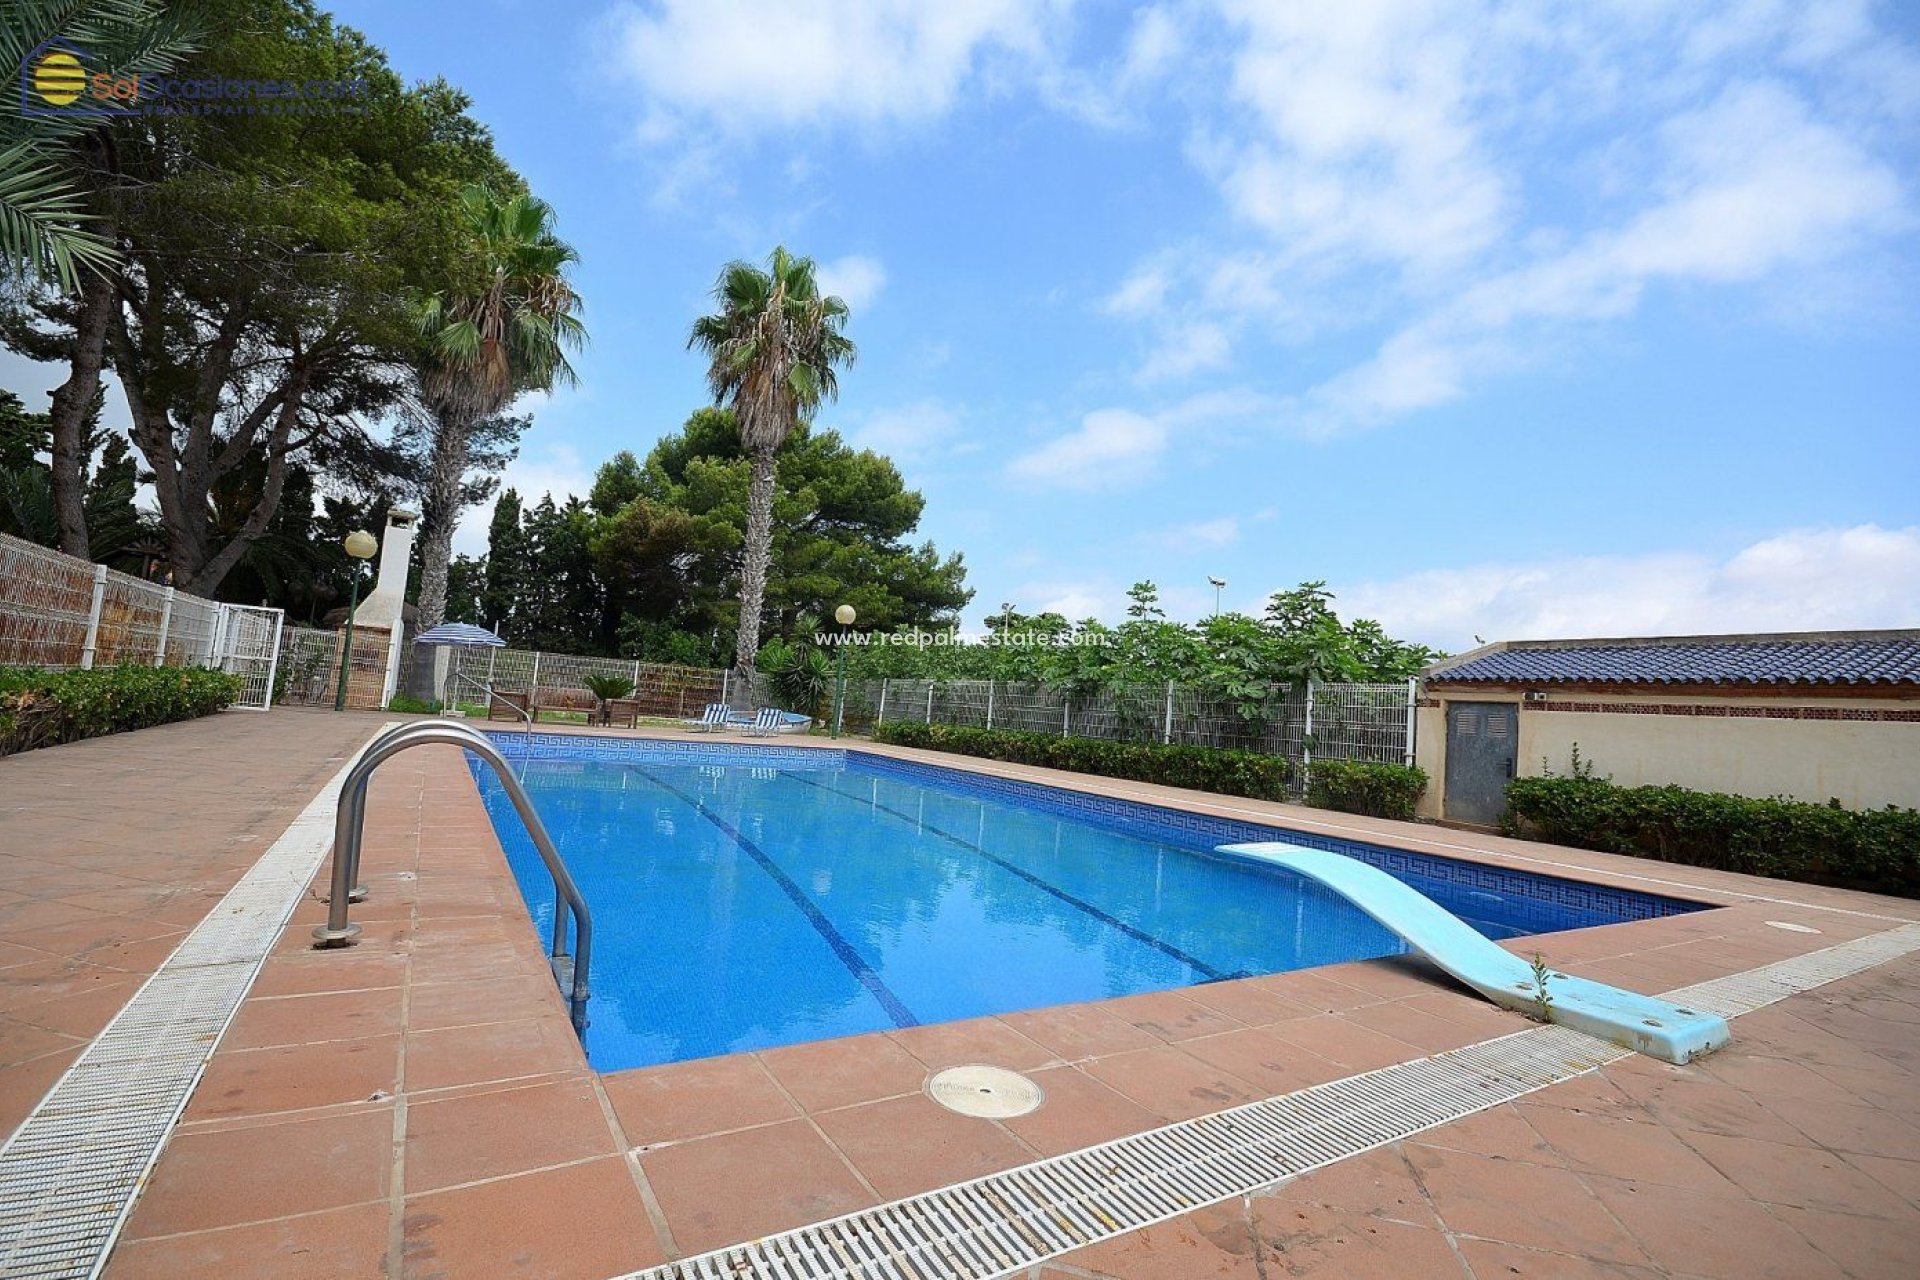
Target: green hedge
x,y
1377,790
1234,773
1875,849
43,708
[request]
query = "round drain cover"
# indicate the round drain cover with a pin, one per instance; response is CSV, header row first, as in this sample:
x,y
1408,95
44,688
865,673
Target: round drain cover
x,y
1790,927
992,1093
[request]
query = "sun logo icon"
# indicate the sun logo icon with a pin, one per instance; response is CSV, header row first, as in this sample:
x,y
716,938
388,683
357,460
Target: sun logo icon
x,y
59,78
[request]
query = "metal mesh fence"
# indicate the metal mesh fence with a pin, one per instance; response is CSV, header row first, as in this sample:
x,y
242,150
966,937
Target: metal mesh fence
x,y
57,611
1360,722
557,680
1370,722
46,601
309,667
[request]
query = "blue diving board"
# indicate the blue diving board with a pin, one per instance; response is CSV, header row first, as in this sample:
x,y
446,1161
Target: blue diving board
x,y
1657,1028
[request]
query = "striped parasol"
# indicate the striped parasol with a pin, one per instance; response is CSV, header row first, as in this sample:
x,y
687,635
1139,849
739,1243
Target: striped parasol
x,y
463,634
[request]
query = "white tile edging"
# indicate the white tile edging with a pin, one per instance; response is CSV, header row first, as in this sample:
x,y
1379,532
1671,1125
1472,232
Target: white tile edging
x,y
69,1175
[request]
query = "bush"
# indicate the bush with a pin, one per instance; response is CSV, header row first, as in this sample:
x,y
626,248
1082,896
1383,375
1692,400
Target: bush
x,y
43,708
1877,850
1233,773
1377,790
409,705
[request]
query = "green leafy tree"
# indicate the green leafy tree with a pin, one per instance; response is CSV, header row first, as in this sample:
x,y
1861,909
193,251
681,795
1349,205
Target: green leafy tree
x,y
840,529
466,583
1247,662
561,605
774,351
507,564
256,316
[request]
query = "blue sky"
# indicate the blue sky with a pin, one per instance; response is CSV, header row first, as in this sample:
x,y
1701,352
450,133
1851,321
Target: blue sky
x,y
1506,319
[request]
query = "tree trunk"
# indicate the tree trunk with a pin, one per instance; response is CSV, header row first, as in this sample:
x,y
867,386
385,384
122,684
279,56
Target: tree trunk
x,y
71,401
439,513
210,574
753,568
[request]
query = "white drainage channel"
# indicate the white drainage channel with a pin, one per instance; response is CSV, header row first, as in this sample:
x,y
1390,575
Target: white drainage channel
x,y
69,1174
1003,1223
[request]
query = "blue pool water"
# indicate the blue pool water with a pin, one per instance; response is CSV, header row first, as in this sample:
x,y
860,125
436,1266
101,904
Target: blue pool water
x,y
751,897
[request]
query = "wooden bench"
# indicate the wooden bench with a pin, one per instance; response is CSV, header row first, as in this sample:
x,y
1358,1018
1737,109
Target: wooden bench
x,y
577,700
623,711
502,706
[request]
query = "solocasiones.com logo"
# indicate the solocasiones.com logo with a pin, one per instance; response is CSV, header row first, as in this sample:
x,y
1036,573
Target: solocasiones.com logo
x,y
61,78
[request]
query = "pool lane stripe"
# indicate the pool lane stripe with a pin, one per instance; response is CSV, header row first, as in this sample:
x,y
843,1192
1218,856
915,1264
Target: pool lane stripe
x,y
856,964
1113,922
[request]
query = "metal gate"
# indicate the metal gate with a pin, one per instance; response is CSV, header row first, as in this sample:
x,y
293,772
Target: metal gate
x,y
1482,745
249,647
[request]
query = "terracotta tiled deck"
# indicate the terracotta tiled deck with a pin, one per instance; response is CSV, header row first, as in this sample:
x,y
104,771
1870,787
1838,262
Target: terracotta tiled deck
x,y
417,1106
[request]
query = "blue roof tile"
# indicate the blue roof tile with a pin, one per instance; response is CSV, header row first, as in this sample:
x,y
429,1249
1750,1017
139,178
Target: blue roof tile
x,y
1892,660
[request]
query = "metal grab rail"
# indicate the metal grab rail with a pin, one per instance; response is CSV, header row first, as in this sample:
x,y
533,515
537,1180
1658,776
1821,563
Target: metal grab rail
x,y
349,819
493,696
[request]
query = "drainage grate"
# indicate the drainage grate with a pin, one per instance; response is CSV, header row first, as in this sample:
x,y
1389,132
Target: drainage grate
x,y
69,1174
1756,988
1000,1224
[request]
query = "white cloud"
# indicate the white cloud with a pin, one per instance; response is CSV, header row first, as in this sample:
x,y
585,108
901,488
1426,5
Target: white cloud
x,y
1113,448
554,469
1141,294
1110,448
1802,579
1477,181
1366,144
1201,534
1187,349
1752,185
911,433
747,65
1071,600
856,279
1153,43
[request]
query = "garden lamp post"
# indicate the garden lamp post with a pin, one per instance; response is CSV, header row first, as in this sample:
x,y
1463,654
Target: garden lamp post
x,y
844,615
360,545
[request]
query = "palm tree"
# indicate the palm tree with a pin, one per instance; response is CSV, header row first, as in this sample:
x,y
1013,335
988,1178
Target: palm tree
x,y
48,232
506,330
773,350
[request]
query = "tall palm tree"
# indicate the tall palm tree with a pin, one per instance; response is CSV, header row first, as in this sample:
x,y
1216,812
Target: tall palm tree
x,y
774,349
506,330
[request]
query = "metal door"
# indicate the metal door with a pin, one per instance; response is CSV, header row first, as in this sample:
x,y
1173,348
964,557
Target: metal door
x,y
1482,740
250,648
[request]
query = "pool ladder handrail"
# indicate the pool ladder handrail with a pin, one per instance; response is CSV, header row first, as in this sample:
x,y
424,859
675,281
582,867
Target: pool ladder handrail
x,y
570,971
494,695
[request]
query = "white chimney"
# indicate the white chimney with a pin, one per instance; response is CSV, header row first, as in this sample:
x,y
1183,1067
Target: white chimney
x,y
382,606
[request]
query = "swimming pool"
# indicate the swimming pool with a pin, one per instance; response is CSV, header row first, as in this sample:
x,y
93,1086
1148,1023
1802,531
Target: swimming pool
x,y
748,897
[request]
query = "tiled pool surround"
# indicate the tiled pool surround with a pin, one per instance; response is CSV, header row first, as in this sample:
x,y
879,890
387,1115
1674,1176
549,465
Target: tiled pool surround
x,y
433,1066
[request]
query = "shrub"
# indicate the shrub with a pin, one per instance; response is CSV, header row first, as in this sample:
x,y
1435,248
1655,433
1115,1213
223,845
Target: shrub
x,y
409,705
1377,790
1877,850
43,708
607,687
1234,773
